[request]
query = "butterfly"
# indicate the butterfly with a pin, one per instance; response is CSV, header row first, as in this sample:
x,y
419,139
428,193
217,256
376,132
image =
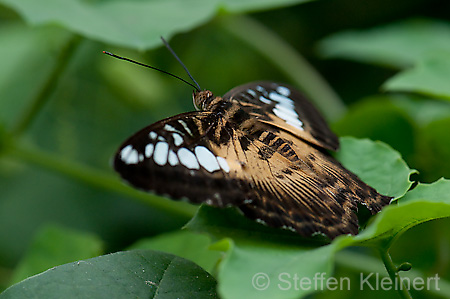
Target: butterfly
x,y
262,148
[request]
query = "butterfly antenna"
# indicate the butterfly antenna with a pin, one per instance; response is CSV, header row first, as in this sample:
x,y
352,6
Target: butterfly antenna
x,y
153,68
179,60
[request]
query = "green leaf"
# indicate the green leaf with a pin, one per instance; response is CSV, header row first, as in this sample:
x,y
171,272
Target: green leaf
x,y
374,118
257,254
255,271
134,24
130,274
377,164
254,248
429,77
434,146
438,192
185,244
26,53
398,45
53,246
422,110
423,203
423,44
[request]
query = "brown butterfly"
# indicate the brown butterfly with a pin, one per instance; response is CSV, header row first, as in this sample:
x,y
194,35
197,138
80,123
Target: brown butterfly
x,y
262,148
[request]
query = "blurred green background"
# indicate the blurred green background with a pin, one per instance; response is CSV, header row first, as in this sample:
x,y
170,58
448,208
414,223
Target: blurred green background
x,y
65,107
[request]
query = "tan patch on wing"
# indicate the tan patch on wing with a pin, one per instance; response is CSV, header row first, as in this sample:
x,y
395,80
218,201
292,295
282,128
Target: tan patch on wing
x,y
301,188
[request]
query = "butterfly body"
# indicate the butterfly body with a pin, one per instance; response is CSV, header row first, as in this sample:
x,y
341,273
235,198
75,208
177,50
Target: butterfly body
x,y
262,148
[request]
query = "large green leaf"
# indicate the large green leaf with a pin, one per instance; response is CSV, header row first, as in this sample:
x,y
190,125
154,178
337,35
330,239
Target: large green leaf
x,y
423,44
135,24
53,246
263,262
185,244
253,248
377,164
436,192
399,45
424,203
429,76
130,274
422,110
26,52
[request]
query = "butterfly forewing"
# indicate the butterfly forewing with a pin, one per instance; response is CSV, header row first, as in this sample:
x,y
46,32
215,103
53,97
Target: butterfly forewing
x,y
260,148
176,157
282,106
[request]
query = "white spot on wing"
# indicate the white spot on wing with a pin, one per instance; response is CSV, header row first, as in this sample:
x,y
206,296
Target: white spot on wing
x,y
177,139
169,128
126,151
185,126
280,98
289,228
283,91
261,90
264,100
287,110
173,159
223,164
129,155
218,199
188,159
206,159
290,119
296,123
161,153
260,221
152,135
132,157
252,92
149,150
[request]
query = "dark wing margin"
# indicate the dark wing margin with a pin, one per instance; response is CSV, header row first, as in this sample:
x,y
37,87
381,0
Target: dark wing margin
x,y
283,106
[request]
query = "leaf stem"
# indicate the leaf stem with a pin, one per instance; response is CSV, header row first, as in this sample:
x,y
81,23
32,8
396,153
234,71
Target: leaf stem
x,y
367,264
93,177
288,60
393,273
47,88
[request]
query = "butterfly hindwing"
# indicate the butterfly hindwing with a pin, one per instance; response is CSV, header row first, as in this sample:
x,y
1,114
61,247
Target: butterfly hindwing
x,y
307,190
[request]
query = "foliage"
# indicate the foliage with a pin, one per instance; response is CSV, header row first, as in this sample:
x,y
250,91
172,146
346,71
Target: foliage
x,y
64,110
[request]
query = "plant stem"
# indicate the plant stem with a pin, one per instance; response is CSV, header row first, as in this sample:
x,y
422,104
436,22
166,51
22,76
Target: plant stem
x,y
288,60
47,88
93,177
393,273
367,264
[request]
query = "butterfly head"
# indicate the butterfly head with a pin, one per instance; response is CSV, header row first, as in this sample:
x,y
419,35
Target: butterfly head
x,y
202,99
